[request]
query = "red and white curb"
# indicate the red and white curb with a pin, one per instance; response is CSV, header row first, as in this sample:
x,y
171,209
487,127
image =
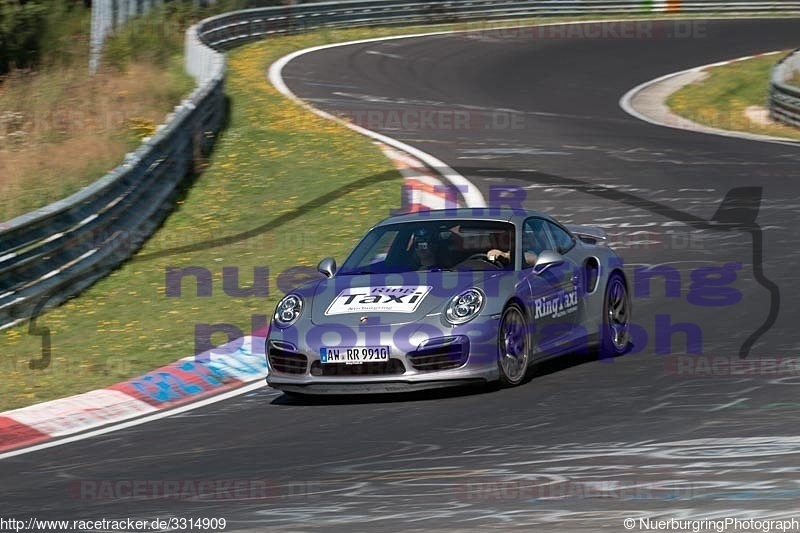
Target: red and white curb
x,y
186,384
666,6
422,188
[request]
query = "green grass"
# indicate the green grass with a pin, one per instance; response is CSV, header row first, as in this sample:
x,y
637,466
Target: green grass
x,y
720,99
283,189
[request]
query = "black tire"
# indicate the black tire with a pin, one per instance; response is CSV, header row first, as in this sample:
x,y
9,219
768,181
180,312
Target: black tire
x,y
513,346
615,329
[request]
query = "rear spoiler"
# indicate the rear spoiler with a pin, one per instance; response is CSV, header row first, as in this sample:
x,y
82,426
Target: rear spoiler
x,y
588,234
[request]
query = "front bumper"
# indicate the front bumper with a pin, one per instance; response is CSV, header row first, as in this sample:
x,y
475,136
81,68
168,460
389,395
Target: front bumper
x,y
388,387
421,358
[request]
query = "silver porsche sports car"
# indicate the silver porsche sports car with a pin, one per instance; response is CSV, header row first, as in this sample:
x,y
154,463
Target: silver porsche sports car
x,y
450,297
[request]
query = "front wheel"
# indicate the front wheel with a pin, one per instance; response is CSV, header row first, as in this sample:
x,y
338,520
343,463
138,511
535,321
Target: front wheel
x,y
513,346
615,329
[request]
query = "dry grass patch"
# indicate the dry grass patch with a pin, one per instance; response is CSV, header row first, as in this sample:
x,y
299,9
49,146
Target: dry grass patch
x,y
61,129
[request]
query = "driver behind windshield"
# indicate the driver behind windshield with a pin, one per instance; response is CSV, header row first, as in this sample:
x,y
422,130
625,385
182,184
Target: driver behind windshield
x,y
449,247
424,248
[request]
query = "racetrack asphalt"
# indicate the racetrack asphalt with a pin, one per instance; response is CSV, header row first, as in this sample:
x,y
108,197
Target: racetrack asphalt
x,y
582,445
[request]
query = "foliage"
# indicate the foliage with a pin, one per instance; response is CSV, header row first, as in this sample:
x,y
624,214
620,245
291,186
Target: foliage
x,y
21,27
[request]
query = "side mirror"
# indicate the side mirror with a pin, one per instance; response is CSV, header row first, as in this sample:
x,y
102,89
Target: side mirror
x,y
327,267
547,259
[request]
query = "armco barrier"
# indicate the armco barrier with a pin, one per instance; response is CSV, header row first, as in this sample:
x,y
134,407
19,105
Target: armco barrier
x,y
784,99
230,29
51,254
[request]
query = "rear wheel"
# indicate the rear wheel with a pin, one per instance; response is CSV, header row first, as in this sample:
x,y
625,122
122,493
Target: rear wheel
x,y
615,330
513,346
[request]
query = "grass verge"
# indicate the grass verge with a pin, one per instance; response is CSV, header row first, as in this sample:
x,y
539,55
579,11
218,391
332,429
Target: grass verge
x,y
720,100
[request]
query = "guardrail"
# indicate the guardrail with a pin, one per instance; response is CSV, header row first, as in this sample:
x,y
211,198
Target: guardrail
x,y
53,253
230,29
784,98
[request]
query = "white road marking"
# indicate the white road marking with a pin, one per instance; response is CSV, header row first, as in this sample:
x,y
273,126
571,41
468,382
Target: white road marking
x,y
384,54
653,408
725,406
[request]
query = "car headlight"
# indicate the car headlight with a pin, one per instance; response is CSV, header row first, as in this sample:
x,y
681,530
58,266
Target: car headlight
x,y
288,311
464,306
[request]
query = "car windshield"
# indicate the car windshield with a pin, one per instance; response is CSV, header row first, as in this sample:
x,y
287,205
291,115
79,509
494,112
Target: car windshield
x,y
434,246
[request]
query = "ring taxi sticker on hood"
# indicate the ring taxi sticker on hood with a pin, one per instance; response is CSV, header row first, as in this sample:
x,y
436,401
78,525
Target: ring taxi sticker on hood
x,y
383,299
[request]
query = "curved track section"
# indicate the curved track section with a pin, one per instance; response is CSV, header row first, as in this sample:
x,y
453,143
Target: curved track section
x,y
637,102
584,444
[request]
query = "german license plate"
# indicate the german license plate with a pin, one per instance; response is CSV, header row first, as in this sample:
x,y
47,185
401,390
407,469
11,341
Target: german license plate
x,y
354,355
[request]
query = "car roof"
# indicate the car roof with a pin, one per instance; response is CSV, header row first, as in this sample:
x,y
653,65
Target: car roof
x,y
504,214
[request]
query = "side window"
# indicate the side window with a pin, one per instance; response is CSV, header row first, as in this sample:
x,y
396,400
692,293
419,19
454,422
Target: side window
x,y
535,240
561,239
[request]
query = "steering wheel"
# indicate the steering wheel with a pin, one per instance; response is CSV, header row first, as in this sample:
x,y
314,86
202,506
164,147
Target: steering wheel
x,y
481,256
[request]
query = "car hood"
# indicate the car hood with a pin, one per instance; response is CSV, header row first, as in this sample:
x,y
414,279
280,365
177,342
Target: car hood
x,y
370,300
